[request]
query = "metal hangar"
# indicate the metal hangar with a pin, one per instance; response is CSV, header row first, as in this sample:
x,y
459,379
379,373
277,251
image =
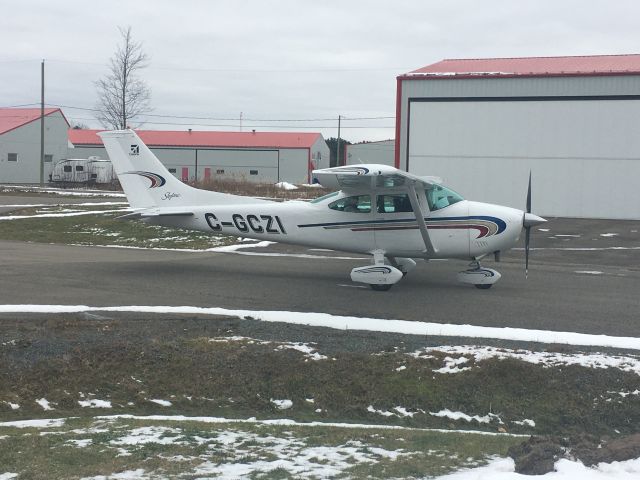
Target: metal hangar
x,y
483,124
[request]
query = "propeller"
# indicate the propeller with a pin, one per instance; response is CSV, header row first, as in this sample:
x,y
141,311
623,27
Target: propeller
x,y
529,220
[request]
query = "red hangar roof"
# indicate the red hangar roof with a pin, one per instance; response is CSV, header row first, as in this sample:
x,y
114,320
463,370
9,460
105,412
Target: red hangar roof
x,y
530,67
12,118
163,138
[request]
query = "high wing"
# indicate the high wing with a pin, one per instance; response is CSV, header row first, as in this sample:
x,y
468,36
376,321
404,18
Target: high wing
x,y
363,177
375,177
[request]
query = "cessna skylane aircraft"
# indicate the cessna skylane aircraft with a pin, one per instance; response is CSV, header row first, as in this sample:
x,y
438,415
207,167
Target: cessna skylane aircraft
x,y
378,210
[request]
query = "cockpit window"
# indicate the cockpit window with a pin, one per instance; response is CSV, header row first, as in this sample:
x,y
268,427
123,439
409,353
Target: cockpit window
x,y
440,197
355,204
395,203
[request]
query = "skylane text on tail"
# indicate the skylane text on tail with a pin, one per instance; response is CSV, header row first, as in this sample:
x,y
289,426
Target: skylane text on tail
x,y
378,210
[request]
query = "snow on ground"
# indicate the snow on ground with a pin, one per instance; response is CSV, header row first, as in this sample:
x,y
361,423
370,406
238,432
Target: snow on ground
x,y
547,359
504,469
8,476
61,191
40,423
282,404
44,403
286,186
162,403
67,214
308,351
589,272
138,474
95,403
446,413
358,323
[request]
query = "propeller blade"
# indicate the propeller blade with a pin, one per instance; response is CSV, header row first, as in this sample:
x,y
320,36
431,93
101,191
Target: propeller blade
x,y
526,251
529,194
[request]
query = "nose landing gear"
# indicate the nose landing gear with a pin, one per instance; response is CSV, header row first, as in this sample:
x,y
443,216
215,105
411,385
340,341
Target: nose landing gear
x,y
479,276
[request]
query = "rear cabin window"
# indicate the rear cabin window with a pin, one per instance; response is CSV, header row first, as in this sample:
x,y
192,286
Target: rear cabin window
x,y
396,203
355,204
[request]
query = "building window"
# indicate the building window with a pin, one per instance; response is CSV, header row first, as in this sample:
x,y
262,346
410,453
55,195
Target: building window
x,y
172,170
12,157
79,168
220,171
253,172
48,158
67,168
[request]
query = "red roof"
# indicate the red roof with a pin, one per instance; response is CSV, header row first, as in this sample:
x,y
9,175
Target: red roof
x,y
163,138
12,118
531,67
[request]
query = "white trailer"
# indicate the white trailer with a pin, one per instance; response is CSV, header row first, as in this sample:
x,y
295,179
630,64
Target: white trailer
x,y
92,170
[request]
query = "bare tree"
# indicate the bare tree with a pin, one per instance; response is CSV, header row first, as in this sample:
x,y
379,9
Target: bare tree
x,y
121,94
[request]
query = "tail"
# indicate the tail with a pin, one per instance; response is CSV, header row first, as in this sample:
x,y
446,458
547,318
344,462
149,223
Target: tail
x,y
147,183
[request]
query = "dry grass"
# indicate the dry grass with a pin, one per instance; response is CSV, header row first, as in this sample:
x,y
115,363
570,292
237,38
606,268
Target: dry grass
x,y
241,186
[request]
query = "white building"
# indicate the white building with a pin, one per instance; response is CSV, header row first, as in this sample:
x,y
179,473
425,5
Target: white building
x,y
20,143
382,152
483,124
256,156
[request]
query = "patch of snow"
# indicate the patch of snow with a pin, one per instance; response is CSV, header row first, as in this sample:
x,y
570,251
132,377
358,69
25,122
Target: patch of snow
x,y
8,476
544,229
401,367
234,248
14,406
312,185
340,322
526,421
384,413
138,474
404,412
44,403
40,423
55,215
95,403
451,365
162,403
547,359
589,272
145,435
81,443
282,404
309,400
571,236
286,186
608,234
504,469
463,416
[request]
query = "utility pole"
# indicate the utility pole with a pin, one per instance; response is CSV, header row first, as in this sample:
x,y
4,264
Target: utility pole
x,y
338,144
240,121
42,124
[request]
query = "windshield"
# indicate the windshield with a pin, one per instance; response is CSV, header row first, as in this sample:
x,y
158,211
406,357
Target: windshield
x,y
324,197
439,197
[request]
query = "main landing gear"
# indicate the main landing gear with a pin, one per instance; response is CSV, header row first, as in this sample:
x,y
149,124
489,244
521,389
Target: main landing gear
x,y
381,276
479,276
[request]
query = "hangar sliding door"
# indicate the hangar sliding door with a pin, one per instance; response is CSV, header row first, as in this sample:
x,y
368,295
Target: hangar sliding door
x,y
584,152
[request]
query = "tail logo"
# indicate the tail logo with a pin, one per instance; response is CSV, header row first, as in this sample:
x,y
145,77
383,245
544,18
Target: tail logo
x,y
156,180
134,150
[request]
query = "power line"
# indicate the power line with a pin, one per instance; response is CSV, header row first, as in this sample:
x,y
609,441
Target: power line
x,y
235,125
231,119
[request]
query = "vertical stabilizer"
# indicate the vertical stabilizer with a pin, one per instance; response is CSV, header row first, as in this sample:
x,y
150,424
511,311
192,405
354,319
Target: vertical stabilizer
x,y
147,183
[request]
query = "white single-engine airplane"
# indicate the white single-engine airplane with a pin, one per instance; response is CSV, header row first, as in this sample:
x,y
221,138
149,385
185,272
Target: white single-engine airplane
x,y
392,215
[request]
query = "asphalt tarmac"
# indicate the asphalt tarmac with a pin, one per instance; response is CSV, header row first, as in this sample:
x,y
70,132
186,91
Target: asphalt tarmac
x,y
584,277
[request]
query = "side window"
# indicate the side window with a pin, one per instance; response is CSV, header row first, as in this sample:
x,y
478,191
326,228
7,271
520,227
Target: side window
x,y
394,203
440,197
67,168
79,168
355,204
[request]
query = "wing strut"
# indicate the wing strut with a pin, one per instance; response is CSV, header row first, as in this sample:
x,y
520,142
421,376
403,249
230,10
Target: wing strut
x,y
413,198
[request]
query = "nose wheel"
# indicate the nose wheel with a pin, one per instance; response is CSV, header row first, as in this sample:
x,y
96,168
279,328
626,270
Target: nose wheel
x,y
479,276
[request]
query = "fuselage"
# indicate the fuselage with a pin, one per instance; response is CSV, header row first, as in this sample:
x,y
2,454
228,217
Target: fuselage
x,y
464,229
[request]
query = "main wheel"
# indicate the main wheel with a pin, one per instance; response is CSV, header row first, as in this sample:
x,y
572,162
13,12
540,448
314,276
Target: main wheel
x,y
484,286
381,287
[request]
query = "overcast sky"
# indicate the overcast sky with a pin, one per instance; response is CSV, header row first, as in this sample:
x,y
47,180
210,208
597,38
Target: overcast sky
x,y
284,59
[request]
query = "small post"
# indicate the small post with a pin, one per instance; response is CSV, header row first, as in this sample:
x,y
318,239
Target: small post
x,y
42,124
338,164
